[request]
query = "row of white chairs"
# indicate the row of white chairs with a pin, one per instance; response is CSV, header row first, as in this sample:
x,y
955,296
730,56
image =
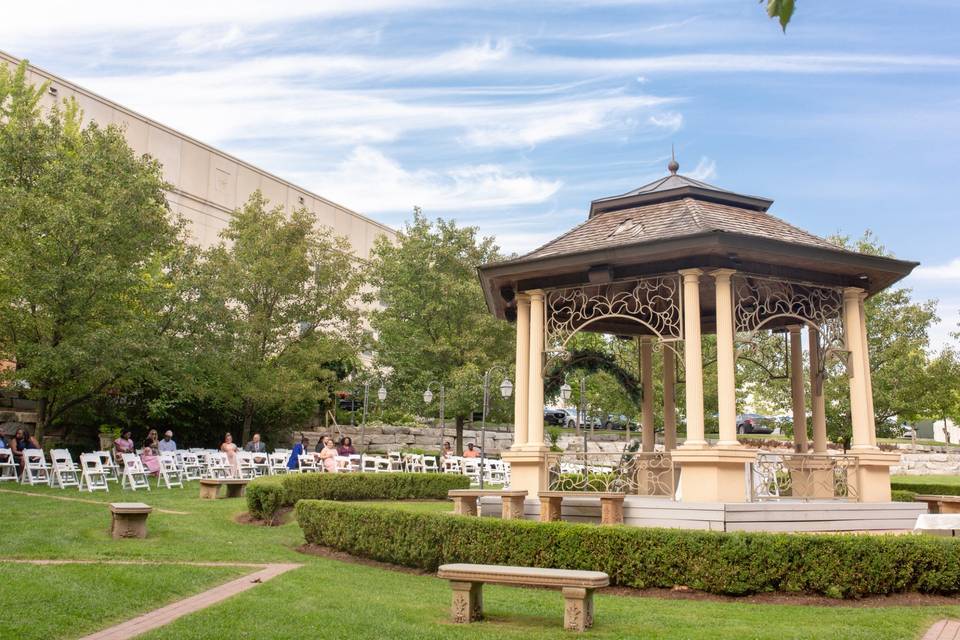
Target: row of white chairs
x,y
494,471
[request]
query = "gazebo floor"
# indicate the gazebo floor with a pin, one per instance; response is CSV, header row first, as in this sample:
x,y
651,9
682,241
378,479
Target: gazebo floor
x,y
784,515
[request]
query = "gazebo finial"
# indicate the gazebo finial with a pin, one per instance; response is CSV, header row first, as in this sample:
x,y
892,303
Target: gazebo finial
x,y
674,166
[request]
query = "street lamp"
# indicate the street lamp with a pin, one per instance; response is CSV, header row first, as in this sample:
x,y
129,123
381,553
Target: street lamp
x,y
428,398
506,389
565,392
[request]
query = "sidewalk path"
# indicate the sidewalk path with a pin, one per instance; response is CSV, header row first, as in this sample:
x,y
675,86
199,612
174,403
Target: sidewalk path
x,y
944,630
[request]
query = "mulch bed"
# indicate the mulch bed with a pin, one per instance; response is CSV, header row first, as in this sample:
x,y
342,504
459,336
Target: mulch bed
x,y
684,593
283,516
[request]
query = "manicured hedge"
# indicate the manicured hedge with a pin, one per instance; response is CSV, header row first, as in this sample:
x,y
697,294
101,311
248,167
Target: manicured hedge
x,y
841,566
902,495
265,496
927,488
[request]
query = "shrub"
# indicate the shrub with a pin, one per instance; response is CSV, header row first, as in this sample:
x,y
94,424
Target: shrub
x,y
927,488
902,495
724,563
266,496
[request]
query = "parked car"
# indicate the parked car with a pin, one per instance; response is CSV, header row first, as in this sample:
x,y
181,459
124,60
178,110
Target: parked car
x,y
753,423
557,417
619,423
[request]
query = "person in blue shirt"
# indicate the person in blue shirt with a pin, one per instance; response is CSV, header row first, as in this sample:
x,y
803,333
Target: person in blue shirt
x,y
298,449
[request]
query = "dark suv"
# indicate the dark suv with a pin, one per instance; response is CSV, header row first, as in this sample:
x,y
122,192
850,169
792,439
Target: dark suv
x,y
556,417
753,423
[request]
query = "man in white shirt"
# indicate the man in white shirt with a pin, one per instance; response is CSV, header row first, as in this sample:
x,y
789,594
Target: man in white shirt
x,y
167,444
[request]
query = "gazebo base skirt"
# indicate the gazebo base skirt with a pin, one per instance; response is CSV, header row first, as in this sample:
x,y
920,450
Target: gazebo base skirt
x,y
784,515
713,474
528,469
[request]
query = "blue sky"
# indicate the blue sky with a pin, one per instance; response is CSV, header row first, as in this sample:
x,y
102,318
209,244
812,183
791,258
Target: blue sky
x,y
514,116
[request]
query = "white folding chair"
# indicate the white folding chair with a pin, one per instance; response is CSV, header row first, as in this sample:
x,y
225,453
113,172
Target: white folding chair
x,y
109,466
92,474
261,464
134,475
35,468
370,464
471,469
245,465
217,467
8,467
192,469
278,463
169,473
307,463
64,472
430,464
413,463
452,465
354,461
343,463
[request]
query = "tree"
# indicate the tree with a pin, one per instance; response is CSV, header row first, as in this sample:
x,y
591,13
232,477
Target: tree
x,y
780,9
89,256
433,323
280,303
942,388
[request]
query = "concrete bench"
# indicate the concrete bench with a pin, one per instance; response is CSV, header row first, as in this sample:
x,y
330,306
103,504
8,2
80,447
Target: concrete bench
x,y
129,519
210,489
941,524
465,501
940,504
467,582
611,504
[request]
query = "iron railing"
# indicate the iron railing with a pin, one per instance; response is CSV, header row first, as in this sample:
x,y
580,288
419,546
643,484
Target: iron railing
x,y
633,473
803,476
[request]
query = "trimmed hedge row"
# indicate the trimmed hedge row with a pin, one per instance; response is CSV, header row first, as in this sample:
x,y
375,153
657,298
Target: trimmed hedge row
x,y
926,488
839,566
266,496
902,495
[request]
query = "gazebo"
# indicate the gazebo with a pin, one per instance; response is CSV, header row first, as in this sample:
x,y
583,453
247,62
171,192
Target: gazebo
x,y
667,263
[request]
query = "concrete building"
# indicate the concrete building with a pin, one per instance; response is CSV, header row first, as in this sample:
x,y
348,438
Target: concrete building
x,y
207,184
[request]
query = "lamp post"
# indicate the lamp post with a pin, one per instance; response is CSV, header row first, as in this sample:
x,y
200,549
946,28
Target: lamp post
x,y
565,392
428,398
382,395
506,389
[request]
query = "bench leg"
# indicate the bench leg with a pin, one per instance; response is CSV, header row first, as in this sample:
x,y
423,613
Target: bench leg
x,y
467,605
611,511
465,505
512,508
577,608
235,490
128,526
209,492
550,509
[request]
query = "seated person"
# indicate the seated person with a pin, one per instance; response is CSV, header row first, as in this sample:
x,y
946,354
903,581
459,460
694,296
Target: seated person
x,y
256,445
447,450
471,452
123,444
328,455
149,457
346,447
168,444
22,440
298,450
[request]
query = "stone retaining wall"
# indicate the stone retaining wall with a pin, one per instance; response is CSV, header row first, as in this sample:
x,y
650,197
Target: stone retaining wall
x,y
922,464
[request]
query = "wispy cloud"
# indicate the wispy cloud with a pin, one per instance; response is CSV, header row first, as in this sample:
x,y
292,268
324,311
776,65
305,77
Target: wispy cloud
x,y
706,169
948,272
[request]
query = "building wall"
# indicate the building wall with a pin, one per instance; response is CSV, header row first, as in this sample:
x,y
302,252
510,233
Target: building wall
x,y
207,184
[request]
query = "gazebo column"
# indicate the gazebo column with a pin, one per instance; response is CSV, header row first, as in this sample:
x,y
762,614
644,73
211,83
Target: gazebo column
x,y
818,409
866,367
528,458
710,474
797,391
669,401
646,381
521,396
871,482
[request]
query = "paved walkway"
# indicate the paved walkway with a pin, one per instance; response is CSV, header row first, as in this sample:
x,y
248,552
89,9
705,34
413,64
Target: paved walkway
x,y
944,630
85,501
166,615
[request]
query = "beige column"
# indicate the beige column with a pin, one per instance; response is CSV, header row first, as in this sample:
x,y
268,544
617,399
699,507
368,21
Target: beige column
x,y
726,359
797,390
669,400
693,358
521,396
856,370
817,402
646,381
535,378
866,368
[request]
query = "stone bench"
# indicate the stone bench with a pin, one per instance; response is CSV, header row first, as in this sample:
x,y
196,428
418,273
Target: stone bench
x,y
940,504
465,501
467,582
129,519
611,504
210,489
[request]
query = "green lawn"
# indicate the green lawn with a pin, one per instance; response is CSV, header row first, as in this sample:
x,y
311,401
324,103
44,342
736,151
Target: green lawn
x,y
932,479
331,599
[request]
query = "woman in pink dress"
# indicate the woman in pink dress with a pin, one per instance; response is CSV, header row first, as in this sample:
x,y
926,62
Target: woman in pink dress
x,y
328,455
231,450
149,457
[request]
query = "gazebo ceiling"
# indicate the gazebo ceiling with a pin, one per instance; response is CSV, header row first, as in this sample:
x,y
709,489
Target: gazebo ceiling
x,y
674,223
